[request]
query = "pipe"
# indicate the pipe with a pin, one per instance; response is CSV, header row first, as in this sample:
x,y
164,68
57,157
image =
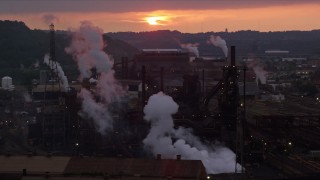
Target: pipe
x,y
122,67
161,79
233,56
143,79
203,91
158,156
126,67
24,172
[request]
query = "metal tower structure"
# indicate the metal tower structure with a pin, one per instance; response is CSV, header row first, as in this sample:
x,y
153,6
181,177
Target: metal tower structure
x,y
53,112
52,58
52,82
52,43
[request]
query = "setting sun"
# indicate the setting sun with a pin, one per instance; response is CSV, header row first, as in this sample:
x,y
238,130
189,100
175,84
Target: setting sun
x,y
156,20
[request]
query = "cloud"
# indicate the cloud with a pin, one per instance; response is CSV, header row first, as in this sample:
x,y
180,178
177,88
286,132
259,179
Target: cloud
x,y
118,6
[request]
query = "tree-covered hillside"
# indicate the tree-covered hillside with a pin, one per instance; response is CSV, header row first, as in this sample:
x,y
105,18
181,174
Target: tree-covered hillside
x,y
247,42
21,47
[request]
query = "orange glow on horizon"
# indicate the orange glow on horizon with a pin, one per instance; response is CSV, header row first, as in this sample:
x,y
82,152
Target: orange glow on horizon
x,y
275,18
156,20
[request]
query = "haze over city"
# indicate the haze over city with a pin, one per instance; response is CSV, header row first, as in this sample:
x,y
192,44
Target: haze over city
x,y
183,15
159,89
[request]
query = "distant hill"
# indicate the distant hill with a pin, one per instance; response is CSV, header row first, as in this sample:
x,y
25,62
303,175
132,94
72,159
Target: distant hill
x,y
22,47
247,42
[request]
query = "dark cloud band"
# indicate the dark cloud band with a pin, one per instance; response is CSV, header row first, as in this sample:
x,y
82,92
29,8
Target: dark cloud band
x,y
118,6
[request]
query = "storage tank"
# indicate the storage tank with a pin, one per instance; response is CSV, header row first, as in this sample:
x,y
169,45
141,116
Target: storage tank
x,y
6,82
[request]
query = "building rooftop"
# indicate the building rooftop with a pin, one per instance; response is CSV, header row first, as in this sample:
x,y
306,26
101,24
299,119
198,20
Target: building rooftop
x,y
33,164
134,167
95,167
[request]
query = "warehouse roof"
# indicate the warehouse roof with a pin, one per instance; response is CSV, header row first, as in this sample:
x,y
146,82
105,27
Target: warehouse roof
x,y
33,164
101,166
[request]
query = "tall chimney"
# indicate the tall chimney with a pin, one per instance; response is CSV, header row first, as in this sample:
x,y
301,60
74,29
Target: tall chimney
x,y
143,79
233,56
126,67
122,67
161,79
24,172
158,156
178,157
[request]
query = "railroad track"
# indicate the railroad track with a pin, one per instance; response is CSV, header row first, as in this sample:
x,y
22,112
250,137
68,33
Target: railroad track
x,y
310,164
293,166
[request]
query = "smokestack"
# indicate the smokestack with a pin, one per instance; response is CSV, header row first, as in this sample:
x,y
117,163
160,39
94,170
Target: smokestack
x,y
122,67
143,79
126,67
233,56
158,156
203,91
178,157
161,79
52,43
24,172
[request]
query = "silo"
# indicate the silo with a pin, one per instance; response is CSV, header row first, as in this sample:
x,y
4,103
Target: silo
x,y
6,82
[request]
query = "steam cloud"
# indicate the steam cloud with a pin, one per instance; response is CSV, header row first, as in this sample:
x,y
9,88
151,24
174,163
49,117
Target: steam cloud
x,y
87,49
219,42
50,18
158,111
27,97
191,48
36,64
260,73
57,69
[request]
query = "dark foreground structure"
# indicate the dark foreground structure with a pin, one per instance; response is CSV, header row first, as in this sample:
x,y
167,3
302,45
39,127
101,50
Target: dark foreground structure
x,y
87,168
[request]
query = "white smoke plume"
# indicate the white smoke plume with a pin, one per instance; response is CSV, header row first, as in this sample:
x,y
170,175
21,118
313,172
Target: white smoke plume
x,y
158,111
27,97
259,71
92,80
87,49
97,111
57,69
219,42
191,48
50,18
36,64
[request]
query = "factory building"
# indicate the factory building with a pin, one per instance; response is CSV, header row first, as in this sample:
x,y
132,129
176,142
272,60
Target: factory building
x,y
62,167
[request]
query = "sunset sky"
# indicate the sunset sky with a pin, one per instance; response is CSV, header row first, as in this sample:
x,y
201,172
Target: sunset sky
x,y
182,15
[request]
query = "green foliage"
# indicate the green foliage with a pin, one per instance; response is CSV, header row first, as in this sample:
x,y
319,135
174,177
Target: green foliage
x,y
19,76
21,46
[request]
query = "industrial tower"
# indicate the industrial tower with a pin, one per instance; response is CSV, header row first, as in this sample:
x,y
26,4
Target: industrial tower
x,y
53,111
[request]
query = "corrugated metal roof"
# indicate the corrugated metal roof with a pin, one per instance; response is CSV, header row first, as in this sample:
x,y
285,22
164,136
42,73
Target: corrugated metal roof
x,y
95,167
33,164
61,178
143,167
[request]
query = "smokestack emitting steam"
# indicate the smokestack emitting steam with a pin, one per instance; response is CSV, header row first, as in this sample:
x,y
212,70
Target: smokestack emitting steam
x,y
219,42
87,49
50,18
58,69
259,71
158,111
191,48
